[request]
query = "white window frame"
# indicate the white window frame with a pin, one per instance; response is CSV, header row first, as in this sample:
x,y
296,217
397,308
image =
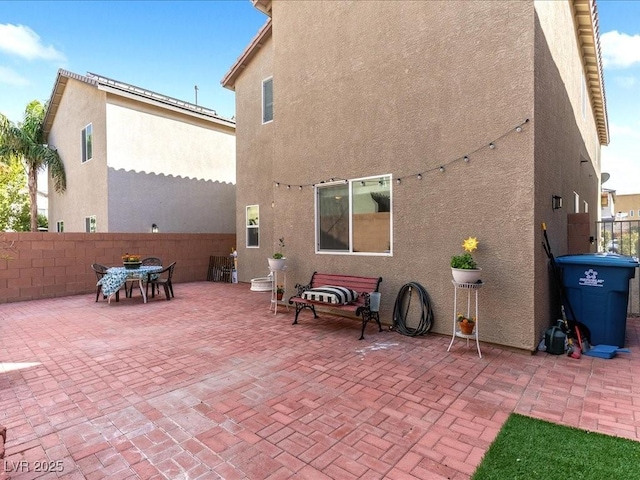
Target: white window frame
x,y
250,226
576,203
90,224
386,179
585,205
266,105
87,143
60,226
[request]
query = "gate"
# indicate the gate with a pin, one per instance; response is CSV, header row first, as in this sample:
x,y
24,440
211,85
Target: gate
x,y
623,237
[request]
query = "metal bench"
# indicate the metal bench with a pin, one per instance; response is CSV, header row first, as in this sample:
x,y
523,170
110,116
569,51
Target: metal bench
x,y
360,307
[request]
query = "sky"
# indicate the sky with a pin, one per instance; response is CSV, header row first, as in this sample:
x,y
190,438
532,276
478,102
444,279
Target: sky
x,y
169,47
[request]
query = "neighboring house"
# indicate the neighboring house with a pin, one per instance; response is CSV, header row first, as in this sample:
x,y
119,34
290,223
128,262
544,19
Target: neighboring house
x,y
376,136
135,158
628,207
608,204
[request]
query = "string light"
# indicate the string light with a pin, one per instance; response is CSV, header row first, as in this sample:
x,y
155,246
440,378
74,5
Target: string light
x,y
441,168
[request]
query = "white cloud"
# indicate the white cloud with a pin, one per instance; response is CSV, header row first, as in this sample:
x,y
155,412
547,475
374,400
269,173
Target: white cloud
x,y
11,77
620,50
22,41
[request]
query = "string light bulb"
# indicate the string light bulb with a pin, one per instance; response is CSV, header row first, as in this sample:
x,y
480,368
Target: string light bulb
x,y
466,159
441,168
277,184
419,176
492,145
398,181
288,187
519,128
299,187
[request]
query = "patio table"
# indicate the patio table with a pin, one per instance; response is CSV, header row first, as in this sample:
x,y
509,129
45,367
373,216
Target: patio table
x,y
116,277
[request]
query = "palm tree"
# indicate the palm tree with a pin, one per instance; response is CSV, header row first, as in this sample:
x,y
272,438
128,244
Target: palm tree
x,y
25,142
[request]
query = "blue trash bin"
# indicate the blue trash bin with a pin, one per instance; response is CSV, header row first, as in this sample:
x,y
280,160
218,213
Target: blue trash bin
x,y
597,286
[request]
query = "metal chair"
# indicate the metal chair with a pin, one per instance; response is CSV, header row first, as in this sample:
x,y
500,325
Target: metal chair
x,y
156,279
101,271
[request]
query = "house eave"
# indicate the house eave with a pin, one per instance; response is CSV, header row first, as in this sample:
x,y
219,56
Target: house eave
x,y
263,5
229,80
585,14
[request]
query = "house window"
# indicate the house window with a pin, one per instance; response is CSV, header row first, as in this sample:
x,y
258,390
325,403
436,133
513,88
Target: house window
x,y
631,213
267,100
60,227
585,207
90,224
253,226
576,203
354,216
87,143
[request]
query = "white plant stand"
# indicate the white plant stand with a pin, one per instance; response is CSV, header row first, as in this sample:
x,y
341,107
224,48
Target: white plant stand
x,y
279,277
468,287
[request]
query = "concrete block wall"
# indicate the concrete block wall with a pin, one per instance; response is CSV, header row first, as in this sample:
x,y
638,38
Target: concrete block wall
x,y
43,265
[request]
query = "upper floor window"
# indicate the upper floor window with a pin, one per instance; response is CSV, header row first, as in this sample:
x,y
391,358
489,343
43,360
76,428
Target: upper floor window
x,y
267,100
631,213
354,216
90,224
253,226
87,143
576,203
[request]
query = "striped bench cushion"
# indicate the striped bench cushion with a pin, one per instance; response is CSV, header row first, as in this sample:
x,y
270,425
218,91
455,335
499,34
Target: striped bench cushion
x,y
331,294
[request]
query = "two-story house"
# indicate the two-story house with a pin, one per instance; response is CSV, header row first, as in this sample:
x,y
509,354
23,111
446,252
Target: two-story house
x,y
376,136
138,161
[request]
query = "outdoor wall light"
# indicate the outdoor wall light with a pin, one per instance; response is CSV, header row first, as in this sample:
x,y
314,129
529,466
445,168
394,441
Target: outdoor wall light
x,y
556,202
154,228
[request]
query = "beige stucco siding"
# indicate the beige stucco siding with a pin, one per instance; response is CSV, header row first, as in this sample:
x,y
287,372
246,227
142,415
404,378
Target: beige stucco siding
x,y
86,193
255,153
566,145
180,146
402,88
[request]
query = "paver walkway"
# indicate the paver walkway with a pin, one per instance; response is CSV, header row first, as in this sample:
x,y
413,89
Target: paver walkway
x,y
213,385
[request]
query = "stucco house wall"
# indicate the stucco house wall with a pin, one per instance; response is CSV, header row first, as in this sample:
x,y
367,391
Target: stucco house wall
x,y
155,161
398,88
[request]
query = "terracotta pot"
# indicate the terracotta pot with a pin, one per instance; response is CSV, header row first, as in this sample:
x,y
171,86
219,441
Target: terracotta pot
x,y
466,328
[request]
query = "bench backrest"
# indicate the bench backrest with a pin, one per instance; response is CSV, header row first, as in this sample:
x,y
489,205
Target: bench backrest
x,y
359,284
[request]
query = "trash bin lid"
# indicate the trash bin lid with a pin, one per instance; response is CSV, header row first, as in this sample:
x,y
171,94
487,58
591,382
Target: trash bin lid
x,y
599,259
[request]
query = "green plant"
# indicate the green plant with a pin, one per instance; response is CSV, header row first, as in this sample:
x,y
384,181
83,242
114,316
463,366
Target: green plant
x,y
279,289
279,254
464,319
466,261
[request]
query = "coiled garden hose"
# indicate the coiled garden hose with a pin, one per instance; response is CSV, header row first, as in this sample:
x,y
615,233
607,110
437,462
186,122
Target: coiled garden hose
x,y
401,309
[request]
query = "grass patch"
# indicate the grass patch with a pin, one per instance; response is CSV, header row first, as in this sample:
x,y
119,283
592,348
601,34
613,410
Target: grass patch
x,y
528,448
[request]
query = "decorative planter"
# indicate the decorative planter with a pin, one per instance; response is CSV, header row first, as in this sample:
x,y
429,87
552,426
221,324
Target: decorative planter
x,y
262,284
463,275
279,296
466,328
276,263
132,265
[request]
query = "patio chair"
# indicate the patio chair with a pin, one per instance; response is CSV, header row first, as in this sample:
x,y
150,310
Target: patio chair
x,y
148,261
101,271
157,279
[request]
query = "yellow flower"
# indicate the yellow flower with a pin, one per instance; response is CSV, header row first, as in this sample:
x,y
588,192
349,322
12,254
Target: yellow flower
x,y
470,244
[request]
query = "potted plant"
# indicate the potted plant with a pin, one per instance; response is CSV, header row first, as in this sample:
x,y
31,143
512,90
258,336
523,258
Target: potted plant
x,y
463,267
466,324
277,260
131,261
279,292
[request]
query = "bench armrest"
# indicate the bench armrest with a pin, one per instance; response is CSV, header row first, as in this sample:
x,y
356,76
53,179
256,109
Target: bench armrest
x,y
301,289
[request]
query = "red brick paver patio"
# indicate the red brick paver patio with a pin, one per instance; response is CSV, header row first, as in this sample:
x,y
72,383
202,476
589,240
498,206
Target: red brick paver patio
x,y
213,385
